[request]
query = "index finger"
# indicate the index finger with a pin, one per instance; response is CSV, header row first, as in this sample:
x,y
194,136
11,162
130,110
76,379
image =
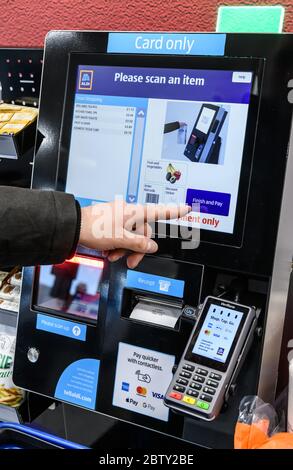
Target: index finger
x,y
153,212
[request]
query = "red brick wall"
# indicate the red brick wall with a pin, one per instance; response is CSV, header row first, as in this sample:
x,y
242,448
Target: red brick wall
x,y
26,22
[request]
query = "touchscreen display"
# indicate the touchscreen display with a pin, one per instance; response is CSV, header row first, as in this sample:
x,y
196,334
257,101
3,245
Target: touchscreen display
x,y
71,287
205,120
217,333
130,131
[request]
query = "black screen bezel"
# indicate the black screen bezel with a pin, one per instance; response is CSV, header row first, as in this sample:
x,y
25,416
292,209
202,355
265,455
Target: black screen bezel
x,y
212,363
253,65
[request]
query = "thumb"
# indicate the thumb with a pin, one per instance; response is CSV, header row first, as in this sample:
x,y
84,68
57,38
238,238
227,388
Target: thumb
x,y
138,243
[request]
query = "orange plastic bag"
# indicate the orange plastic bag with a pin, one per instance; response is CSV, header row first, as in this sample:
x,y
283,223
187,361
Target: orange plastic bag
x,y
250,436
258,427
282,440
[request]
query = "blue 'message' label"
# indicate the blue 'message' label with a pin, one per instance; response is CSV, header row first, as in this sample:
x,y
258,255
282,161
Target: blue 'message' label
x,y
154,283
168,43
61,327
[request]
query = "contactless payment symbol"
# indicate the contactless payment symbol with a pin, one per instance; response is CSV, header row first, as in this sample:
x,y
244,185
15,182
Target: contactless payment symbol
x,y
85,79
143,377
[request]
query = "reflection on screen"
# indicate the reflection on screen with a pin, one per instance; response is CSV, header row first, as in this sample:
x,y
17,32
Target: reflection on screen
x,y
205,120
70,288
217,333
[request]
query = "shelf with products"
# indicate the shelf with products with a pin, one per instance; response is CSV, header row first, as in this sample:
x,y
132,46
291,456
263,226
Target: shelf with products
x,y
11,397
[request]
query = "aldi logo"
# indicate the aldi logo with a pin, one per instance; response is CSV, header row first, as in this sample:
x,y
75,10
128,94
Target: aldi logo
x,y
85,79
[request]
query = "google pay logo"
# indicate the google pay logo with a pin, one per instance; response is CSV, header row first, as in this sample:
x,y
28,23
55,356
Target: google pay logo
x,y
85,79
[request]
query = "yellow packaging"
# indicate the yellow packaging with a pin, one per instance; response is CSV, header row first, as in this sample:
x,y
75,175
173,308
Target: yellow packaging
x,y
4,117
20,117
18,122
12,128
9,108
29,109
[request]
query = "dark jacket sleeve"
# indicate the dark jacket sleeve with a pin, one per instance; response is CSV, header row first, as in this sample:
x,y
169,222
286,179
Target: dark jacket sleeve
x,y
37,227
171,126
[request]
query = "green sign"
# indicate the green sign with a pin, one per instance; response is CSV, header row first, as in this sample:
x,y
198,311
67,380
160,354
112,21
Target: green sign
x,y
250,19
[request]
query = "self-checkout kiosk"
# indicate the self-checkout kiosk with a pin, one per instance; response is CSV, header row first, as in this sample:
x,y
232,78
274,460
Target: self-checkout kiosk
x,y
174,344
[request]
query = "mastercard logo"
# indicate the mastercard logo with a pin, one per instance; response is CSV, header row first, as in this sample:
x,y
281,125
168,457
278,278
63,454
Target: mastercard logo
x,y
141,391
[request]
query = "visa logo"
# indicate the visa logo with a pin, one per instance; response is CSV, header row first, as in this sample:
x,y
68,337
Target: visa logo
x,y
158,395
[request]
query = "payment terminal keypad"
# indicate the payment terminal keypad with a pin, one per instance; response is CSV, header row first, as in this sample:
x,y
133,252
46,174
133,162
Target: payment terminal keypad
x,y
197,388
188,367
185,374
182,381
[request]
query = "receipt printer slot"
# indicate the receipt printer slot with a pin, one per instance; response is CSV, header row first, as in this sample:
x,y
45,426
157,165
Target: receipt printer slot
x,y
162,312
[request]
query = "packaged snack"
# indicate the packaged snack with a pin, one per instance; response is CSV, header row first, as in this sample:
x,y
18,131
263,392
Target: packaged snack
x,y
4,117
8,292
23,117
12,306
29,109
3,275
15,280
14,128
9,108
9,394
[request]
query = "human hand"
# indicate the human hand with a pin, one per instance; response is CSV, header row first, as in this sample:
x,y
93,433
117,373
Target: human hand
x,y
120,229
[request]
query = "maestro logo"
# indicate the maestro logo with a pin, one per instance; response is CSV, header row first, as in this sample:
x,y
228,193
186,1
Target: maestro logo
x,y
86,79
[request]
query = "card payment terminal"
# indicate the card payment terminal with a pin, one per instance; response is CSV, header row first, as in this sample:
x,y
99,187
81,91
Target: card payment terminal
x,y
212,358
204,142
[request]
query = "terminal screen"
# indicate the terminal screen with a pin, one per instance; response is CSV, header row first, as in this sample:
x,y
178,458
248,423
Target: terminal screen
x,y
217,333
71,288
205,120
134,135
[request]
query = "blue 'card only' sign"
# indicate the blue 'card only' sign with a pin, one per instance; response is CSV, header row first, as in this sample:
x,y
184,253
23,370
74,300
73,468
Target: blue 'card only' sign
x,y
167,43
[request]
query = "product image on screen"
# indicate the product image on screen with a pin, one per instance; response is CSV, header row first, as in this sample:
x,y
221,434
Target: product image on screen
x,y
160,135
217,333
71,287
